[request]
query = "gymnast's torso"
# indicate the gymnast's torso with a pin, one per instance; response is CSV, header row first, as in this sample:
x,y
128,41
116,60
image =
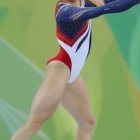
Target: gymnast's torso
x,y
73,30
74,38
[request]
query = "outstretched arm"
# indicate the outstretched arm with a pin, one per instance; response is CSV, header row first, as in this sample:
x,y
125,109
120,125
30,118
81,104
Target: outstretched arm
x,y
68,13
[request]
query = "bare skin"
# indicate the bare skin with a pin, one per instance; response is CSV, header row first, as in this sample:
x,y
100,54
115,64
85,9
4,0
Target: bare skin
x,y
76,101
46,100
77,2
54,90
74,98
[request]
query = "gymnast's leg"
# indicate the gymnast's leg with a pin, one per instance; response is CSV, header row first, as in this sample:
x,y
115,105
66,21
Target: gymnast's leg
x,y
46,100
76,101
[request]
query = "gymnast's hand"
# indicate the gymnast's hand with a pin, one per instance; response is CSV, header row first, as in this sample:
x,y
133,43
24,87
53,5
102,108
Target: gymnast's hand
x,y
97,2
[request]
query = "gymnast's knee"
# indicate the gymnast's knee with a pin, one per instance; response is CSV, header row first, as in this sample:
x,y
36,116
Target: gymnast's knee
x,y
89,124
34,124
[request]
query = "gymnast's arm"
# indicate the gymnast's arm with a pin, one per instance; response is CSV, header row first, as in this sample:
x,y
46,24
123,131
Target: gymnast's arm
x,y
108,1
92,3
89,4
68,13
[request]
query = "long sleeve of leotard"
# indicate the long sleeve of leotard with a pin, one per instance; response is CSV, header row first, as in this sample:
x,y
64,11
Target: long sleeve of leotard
x,y
108,1
68,13
89,4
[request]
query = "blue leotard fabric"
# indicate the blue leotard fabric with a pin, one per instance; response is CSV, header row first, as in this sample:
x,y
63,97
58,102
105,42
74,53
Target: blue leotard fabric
x,y
71,13
71,18
89,4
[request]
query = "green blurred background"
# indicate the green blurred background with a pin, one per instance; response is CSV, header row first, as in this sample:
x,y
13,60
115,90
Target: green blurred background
x,y
112,72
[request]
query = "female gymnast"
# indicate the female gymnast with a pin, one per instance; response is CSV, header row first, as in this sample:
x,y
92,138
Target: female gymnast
x,y
62,82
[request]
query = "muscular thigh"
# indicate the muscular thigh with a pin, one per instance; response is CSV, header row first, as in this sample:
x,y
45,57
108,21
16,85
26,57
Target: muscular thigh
x,y
51,90
76,101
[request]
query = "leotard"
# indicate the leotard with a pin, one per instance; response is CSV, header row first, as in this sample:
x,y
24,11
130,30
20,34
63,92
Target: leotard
x,y
73,30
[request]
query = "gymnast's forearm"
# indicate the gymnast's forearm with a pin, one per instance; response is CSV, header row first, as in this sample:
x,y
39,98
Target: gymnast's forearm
x,y
116,6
